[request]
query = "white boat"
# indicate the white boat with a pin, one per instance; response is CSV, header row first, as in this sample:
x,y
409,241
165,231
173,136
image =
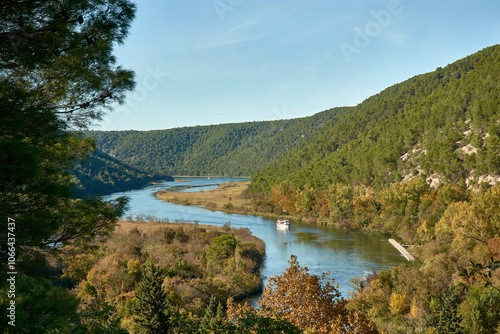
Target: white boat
x,y
282,223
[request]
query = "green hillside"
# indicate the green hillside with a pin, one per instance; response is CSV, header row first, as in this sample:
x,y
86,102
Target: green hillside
x,y
418,162
226,149
440,125
101,173
443,126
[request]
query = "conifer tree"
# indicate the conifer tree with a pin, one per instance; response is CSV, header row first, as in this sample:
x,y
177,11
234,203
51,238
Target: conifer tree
x,y
448,319
152,308
214,320
58,74
210,313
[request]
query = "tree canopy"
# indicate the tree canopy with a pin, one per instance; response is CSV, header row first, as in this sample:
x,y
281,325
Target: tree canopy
x,y
58,74
60,55
312,303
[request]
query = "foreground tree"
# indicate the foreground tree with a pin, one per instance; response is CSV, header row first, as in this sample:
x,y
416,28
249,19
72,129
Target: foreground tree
x,y
57,75
311,303
214,317
60,54
152,310
215,321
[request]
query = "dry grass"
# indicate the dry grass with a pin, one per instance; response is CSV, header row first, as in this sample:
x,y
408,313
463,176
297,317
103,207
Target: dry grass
x,y
228,197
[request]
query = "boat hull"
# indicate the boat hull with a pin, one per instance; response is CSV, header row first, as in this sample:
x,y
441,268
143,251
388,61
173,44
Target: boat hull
x,y
282,224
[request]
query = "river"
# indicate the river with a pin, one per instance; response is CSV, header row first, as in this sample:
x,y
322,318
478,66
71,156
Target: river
x,y
346,254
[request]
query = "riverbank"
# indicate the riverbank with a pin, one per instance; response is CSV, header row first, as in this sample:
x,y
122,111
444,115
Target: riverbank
x,y
197,262
230,197
332,247
233,197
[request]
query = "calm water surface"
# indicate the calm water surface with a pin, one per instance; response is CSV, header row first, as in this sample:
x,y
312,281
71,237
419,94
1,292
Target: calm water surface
x,y
321,249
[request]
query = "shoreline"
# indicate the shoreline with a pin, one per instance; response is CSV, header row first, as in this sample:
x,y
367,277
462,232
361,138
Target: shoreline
x,y
170,237
230,197
233,197
217,176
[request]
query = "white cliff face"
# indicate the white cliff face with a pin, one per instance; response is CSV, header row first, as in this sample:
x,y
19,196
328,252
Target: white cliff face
x,y
411,167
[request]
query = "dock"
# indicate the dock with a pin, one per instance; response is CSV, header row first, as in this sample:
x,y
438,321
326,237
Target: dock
x,y
402,250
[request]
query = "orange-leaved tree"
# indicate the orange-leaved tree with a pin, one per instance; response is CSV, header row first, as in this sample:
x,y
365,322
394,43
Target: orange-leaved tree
x,y
312,303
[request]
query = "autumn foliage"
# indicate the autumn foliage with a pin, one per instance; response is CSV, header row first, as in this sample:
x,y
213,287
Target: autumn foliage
x,y
196,262
312,303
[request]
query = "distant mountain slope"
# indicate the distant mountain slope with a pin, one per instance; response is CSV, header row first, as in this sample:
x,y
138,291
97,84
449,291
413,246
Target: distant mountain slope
x,y
226,149
101,173
442,125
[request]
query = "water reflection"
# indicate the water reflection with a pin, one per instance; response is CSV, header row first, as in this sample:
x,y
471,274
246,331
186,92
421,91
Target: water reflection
x,y
346,254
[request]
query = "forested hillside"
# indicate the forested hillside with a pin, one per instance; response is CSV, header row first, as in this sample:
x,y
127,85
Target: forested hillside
x,y
100,173
226,149
417,162
442,125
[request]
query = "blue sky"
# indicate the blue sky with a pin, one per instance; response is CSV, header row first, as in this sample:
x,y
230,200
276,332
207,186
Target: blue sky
x,y
201,62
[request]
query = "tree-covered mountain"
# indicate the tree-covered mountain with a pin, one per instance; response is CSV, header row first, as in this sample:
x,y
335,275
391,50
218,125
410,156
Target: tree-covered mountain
x,y
100,173
442,125
417,162
226,149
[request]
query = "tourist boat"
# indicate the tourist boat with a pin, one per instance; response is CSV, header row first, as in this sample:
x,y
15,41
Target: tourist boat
x,y
283,223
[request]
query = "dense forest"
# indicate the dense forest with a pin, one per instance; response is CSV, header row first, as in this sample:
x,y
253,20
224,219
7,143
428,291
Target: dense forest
x,y
441,125
418,161
454,234
226,150
100,174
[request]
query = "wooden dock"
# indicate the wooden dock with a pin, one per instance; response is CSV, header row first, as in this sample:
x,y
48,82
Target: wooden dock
x,y
402,250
